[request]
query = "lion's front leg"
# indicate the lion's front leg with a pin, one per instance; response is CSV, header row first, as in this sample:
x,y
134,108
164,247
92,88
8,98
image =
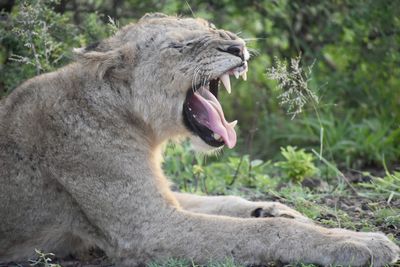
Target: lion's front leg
x,y
135,223
201,238
236,207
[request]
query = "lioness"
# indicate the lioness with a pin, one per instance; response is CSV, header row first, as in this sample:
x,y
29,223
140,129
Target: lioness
x,y
80,153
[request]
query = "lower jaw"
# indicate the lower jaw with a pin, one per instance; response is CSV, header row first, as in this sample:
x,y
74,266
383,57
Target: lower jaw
x,y
199,145
201,132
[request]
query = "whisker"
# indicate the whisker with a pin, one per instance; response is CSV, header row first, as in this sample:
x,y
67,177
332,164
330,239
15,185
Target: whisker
x,y
194,78
207,79
204,79
197,74
254,39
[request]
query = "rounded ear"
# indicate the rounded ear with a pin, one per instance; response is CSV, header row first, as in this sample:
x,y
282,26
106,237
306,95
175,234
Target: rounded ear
x,y
98,62
155,15
109,62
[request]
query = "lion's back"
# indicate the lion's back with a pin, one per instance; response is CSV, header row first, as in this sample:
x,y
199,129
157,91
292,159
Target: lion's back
x,y
28,193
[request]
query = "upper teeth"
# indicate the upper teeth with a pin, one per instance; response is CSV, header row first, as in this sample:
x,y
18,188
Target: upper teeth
x,y
244,76
240,71
244,72
226,81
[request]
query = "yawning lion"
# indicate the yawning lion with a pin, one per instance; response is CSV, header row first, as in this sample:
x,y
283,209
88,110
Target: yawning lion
x,y
80,153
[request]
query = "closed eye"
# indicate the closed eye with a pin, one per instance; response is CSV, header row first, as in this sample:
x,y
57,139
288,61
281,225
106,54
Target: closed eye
x,y
233,50
175,45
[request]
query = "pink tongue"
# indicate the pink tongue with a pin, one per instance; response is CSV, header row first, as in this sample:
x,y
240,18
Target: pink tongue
x,y
209,112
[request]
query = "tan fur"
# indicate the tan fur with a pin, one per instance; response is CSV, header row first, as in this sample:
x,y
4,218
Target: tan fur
x,y
236,207
80,153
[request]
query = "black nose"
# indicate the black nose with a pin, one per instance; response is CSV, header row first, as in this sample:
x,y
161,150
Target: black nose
x,y
236,50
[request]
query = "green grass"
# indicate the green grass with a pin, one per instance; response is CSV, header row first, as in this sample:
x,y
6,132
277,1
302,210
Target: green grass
x,y
387,186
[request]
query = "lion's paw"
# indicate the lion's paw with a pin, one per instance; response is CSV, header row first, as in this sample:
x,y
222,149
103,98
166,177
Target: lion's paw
x,y
364,249
276,209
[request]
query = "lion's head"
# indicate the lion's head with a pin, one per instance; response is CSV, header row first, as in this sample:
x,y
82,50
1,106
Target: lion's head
x,y
173,68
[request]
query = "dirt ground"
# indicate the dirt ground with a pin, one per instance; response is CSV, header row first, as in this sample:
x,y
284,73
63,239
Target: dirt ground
x,y
360,209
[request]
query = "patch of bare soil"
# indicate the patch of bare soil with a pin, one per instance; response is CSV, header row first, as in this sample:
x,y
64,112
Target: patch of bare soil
x,y
361,209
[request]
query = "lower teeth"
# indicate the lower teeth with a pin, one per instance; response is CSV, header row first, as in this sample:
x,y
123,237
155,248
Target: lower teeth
x,y
217,137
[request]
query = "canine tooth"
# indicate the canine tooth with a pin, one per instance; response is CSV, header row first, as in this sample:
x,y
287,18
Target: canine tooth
x,y
236,73
233,123
244,76
227,83
216,136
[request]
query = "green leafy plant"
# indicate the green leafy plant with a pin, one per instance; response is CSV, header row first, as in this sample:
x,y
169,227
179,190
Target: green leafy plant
x,y
43,260
298,164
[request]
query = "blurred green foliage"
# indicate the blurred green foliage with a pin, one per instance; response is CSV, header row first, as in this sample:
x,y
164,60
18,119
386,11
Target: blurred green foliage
x,y
355,45
297,165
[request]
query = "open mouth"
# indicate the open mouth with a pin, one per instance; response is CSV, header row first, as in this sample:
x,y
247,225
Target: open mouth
x,y
203,114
